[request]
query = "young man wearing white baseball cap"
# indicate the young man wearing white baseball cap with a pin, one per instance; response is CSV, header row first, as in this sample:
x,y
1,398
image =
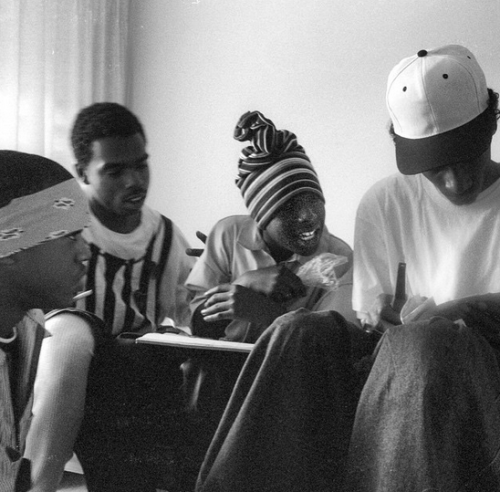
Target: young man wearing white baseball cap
x,y
429,414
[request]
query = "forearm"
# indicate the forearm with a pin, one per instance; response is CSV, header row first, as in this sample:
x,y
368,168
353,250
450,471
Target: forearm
x,y
59,398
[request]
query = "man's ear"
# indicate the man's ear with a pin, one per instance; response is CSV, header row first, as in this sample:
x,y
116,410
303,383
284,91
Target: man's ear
x,y
81,172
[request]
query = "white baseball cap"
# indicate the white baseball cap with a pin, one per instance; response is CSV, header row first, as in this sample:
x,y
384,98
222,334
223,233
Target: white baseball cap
x,y
437,101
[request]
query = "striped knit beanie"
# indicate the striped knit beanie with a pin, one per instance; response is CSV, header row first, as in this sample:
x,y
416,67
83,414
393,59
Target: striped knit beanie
x,y
273,169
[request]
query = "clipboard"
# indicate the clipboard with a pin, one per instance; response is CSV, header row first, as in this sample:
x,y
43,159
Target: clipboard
x,y
194,343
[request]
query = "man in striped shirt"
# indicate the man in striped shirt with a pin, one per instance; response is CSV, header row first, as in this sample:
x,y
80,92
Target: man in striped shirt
x,y
136,273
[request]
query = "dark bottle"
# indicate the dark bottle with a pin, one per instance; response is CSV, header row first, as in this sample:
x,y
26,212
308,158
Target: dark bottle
x,y
400,292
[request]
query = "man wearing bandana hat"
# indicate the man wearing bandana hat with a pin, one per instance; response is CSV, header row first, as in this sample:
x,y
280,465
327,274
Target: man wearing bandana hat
x,y
42,213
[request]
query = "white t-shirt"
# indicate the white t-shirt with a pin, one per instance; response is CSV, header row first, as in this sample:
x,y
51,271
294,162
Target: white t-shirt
x,y
116,298
450,251
235,246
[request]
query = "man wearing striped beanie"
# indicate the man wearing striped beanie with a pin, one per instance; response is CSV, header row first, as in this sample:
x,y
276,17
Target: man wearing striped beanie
x,y
287,424
246,277
273,169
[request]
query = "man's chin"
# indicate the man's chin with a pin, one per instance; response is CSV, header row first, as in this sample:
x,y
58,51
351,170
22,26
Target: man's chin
x,y
307,249
460,200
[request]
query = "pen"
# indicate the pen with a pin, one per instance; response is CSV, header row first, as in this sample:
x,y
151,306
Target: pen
x,y
81,295
400,292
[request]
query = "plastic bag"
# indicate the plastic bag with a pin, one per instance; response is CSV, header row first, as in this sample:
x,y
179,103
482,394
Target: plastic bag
x,y
320,271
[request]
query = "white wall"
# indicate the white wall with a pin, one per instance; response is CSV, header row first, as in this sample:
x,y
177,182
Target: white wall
x,y
315,67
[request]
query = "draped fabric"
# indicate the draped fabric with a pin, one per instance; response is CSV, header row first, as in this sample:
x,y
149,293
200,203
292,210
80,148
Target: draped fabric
x,y
56,57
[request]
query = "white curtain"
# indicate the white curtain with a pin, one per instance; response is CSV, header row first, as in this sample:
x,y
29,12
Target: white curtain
x,y
57,56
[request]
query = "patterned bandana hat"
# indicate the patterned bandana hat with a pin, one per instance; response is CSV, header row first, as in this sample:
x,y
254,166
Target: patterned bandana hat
x,y
273,169
43,216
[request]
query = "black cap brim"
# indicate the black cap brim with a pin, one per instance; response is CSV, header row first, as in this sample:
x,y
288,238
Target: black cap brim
x,y
414,156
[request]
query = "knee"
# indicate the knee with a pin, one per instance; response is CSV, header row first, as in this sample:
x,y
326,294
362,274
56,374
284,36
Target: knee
x,y
310,330
427,345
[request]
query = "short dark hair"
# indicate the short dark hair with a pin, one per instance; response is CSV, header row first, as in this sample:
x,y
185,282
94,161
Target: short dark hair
x,y
23,174
490,124
101,120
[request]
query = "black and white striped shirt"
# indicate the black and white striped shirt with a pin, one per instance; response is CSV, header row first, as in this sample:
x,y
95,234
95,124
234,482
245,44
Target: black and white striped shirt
x,y
137,279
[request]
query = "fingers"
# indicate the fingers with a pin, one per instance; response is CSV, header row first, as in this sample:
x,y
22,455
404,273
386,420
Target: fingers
x,y
227,302
202,237
194,251
217,312
216,290
217,298
218,304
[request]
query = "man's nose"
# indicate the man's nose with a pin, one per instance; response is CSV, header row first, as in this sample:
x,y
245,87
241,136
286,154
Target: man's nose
x,y
133,178
308,214
456,181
